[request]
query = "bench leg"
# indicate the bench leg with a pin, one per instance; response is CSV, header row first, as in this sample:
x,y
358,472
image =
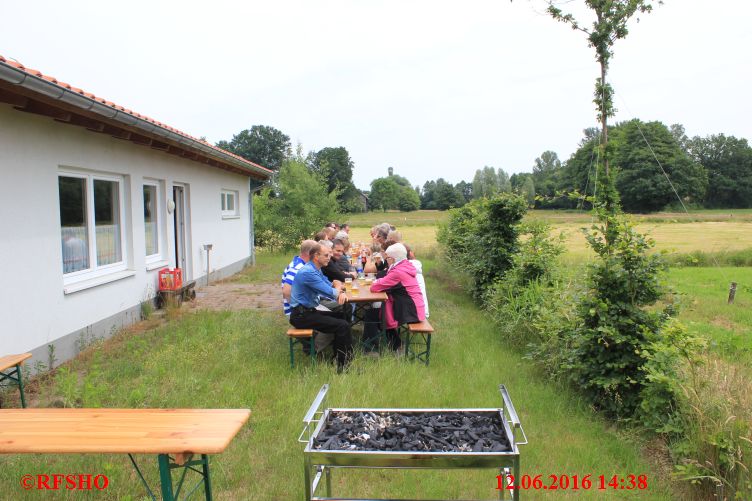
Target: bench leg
x,y
15,377
428,348
20,385
314,355
408,337
165,478
292,353
207,482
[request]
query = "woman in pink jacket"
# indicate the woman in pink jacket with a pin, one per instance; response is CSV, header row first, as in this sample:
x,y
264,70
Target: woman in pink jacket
x,y
405,299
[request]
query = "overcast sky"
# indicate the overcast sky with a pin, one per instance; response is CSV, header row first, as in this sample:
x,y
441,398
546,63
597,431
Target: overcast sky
x,y
432,88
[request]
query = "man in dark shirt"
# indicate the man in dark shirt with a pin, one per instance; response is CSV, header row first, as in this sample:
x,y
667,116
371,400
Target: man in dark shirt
x,y
338,267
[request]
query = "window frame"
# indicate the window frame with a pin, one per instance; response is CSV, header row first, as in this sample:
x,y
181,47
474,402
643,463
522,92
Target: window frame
x,y
95,270
229,213
160,204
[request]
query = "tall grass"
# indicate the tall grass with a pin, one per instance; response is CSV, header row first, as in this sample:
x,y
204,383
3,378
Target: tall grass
x,y
716,453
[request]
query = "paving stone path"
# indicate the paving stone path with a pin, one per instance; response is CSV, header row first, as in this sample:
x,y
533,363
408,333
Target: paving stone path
x,y
239,296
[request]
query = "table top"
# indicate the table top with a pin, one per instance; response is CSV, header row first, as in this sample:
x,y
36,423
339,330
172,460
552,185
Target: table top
x,y
365,295
12,360
138,431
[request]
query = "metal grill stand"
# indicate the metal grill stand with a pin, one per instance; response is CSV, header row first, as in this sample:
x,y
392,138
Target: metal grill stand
x,y
319,463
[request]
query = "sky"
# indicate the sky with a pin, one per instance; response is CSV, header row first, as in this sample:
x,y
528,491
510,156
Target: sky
x,y
431,88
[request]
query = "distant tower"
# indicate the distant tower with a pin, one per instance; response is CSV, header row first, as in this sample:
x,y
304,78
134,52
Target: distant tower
x,y
391,170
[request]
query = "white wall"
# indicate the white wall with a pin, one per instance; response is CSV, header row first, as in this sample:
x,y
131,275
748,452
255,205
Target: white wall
x,y
34,309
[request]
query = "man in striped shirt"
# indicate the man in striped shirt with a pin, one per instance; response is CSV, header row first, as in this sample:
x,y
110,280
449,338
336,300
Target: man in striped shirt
x,y
292,269
320,340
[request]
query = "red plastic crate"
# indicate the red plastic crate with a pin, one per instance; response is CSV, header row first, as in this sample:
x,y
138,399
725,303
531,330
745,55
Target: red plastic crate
x,y
170,279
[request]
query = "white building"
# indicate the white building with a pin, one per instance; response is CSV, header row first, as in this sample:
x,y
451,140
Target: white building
x,y
94,200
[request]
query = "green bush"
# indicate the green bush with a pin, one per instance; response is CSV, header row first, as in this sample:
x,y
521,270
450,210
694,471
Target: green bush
x,y
527,303
618,325
481,238
294,209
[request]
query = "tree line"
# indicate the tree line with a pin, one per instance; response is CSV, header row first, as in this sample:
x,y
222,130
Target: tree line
x,y
657,167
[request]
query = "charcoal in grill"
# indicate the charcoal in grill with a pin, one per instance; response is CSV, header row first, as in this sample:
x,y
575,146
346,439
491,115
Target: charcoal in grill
x,y
422,432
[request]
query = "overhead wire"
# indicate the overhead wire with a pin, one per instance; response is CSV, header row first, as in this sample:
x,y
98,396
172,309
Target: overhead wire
x,y
712,256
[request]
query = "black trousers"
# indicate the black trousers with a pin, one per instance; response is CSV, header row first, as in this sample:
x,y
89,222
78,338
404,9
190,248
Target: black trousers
x,y
328,322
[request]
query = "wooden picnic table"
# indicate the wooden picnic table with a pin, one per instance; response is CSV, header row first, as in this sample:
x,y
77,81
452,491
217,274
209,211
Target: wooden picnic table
x,y
12,364
365,295
175,435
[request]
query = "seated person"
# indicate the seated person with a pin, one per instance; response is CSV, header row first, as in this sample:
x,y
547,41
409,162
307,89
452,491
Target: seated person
x,y
421,281
338,267
320,340
405,300
309,286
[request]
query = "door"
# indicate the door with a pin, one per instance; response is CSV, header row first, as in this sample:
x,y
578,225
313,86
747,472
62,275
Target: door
x,y
178,196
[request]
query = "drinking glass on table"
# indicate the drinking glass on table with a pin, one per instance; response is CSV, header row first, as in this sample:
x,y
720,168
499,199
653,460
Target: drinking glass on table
x,y
348,284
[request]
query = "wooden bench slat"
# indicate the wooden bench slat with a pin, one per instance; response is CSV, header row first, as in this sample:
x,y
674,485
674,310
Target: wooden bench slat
x,y
423,326
140,431
12,360
296,333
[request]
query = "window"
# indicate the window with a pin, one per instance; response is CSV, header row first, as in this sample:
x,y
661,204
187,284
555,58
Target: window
x,y
91,224
229,203
151,220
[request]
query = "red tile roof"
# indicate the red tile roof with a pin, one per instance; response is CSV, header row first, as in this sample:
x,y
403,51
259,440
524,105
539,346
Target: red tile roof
x,y
82,92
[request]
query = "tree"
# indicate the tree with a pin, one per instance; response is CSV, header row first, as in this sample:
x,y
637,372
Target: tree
x,y
546,171
617,324
262,144
464,191
427,195
728,162
485,183
409,200
445,196
384,194
680,136
643,152
578,173
334,166
505,186
389,194
296,210
527,190
611,17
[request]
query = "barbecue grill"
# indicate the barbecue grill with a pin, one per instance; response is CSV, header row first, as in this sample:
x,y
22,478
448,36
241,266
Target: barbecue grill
x,y
356,438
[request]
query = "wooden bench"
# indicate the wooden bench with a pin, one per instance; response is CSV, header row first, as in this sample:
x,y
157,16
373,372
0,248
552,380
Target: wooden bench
x,y
418,334
12,364
175,435
300,336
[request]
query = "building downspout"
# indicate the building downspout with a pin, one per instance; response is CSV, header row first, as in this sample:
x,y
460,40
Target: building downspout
x,y
254,187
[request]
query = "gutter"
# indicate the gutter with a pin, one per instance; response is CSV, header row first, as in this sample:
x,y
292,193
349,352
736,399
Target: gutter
x,y
254,186
49,87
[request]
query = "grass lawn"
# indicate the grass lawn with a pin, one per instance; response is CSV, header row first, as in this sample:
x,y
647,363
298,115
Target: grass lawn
x,y
230,360
706,313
